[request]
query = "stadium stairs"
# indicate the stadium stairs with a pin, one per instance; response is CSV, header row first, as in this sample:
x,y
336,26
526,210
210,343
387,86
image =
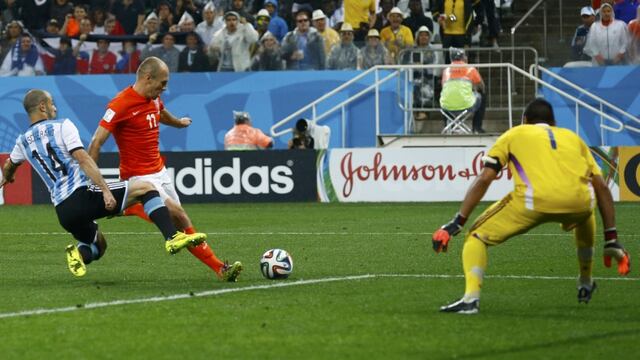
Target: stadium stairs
x,y
529,34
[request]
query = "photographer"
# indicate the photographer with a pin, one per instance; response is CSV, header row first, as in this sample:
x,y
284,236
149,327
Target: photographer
x,y
457,25
308,135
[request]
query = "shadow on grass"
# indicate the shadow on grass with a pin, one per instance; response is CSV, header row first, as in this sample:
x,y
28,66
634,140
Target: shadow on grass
x,y
550,345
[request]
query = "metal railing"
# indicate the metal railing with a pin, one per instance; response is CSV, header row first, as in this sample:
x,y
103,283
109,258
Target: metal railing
x,y
384,73
533,8
313,106
494,79
602,103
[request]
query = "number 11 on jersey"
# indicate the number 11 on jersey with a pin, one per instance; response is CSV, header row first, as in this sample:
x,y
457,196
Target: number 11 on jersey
x,y
151,118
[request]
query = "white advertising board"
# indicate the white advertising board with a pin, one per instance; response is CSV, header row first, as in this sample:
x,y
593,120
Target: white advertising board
x,y
397,175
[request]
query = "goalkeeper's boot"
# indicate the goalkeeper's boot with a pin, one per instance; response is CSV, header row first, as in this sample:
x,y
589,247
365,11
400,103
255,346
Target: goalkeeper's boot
x,y
75,261
230,273
585,292
181,240
462,307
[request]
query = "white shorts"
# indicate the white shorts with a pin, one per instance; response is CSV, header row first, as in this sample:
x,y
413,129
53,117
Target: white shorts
x,y
162,182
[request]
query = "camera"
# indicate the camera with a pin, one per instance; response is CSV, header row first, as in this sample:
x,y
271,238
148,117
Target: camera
x,y
416,57
301,138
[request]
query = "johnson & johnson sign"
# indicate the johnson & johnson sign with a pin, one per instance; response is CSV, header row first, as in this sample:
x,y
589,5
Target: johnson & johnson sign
x,y
431,174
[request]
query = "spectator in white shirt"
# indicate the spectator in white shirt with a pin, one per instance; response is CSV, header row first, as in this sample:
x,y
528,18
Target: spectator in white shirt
x,y
23,59
210,25
608,39
231,45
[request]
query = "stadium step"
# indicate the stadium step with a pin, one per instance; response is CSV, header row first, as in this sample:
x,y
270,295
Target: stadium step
x,y
531,32
494,122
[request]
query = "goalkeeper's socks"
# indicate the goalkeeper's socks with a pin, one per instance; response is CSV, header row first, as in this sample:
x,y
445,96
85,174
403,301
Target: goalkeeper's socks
x,y
474,261
158,213
585,261
204,253
136,210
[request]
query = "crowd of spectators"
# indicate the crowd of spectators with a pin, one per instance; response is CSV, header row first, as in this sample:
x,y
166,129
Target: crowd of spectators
x,y
610,35
113,36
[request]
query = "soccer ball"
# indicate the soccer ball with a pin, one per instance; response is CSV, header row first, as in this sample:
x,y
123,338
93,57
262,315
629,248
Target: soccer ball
x,y
276,264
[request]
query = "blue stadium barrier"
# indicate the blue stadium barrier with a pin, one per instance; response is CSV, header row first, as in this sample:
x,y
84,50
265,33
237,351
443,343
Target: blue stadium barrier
x,y
618,85
209,98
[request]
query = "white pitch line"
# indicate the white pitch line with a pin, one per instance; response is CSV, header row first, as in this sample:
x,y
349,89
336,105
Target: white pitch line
x,y
270,233
35,312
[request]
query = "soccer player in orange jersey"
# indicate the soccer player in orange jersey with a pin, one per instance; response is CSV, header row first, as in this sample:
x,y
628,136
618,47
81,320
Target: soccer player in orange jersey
x,y
134,117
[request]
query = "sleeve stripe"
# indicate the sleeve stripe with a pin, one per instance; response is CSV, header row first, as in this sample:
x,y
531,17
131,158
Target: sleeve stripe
x,y
76,148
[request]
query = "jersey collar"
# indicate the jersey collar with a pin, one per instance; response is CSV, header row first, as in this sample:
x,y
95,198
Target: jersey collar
x,y
38,122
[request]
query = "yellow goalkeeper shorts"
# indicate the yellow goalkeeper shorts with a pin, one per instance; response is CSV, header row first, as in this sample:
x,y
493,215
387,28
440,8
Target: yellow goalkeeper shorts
x,y
508,217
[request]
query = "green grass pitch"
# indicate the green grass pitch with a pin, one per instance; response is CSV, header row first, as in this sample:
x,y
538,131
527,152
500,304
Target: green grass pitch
x,y
366,285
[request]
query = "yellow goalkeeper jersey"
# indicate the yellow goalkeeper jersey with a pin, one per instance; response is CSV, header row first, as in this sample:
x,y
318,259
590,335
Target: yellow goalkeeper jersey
x,y
552,168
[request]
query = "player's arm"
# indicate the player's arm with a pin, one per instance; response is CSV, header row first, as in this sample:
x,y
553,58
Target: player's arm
x,y
99,137
93,172
605,202
475,193
8,172
612,248
10,166
168,119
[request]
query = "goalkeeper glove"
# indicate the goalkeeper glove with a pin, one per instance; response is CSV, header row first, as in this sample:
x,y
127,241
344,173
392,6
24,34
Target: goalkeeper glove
x,y
613,249
441,237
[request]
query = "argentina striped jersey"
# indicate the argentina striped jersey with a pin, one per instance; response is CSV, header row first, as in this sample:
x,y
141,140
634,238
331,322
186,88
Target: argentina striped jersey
x,y
47,145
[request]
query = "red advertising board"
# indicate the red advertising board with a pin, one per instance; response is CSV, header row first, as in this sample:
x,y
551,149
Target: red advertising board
x,y
19,192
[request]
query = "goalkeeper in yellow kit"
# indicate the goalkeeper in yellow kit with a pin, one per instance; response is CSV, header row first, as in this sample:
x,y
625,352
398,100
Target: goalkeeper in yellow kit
x,y
555,178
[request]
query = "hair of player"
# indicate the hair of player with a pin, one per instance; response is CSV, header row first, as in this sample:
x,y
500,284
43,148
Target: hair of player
x,y
150,65
539,110
32,100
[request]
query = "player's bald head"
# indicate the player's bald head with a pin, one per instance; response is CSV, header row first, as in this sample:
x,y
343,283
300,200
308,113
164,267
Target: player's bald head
x,y
539,111
33,99
152,66
152,78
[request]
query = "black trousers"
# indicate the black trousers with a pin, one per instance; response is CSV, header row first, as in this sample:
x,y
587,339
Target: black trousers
x,y
77,213
457,41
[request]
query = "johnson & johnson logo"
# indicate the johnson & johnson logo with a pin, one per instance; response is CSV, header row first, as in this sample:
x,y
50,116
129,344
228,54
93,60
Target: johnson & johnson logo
x,y
378,171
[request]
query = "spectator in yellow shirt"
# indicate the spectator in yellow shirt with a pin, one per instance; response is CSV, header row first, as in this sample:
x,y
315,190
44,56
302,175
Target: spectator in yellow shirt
x,y
361,14
329,35
396,36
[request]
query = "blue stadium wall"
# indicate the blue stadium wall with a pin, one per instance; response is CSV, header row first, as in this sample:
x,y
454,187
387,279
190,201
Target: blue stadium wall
x,y
620,85
209,98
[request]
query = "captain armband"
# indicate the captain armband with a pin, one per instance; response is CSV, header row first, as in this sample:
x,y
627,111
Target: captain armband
x,y
492,163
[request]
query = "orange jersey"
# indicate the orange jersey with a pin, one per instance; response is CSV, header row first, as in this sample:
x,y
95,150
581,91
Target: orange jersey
x,y
133,120
245,137
464,73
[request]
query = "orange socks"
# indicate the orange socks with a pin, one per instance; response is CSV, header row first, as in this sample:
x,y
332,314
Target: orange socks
x,y
137,210
204,253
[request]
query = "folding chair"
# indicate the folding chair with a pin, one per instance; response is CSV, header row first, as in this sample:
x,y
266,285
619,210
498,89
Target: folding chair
x,y
455,121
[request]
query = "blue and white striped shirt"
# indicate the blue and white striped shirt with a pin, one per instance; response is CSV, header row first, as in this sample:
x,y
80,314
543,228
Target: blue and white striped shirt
x,y
47,145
